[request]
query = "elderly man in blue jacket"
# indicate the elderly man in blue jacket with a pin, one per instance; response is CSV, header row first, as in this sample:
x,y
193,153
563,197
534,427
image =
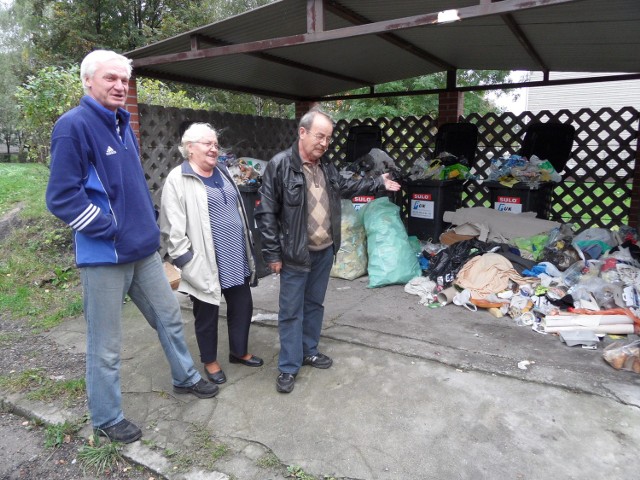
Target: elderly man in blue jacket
x,y
97,186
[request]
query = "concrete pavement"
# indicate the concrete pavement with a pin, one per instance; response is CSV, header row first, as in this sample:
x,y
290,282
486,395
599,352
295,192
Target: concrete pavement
x,y
414,393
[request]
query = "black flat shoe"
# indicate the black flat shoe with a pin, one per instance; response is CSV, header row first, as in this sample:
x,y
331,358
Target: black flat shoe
x,y
252,362
217,377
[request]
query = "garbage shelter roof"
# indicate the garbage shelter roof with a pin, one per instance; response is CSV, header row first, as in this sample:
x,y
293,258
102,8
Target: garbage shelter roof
x,y
307,50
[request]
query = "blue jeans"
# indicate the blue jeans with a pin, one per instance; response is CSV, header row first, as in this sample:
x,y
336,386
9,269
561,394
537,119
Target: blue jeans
x,y
104,289
302,310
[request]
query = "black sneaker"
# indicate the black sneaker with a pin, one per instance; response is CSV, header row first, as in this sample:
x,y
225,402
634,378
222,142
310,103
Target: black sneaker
x,y
285,382
319,360
202,389
124,432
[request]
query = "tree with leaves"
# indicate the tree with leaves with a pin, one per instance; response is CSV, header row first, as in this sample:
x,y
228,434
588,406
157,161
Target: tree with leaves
x,y
42,99
10,134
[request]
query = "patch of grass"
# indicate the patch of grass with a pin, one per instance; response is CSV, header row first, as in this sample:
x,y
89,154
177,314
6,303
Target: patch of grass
x,y
19,382
51,390
268,460
41,387
23,183
47,322
294,471
181,461
59,433
149,443
203,450
100,459
38,278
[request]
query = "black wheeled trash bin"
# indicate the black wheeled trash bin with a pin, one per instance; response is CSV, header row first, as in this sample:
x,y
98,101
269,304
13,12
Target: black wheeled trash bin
x,y
522,198
458,139
427,200
361,139
251,199
552,141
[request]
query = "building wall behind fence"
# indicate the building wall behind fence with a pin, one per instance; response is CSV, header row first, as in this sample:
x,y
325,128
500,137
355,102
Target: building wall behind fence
x,y
598,179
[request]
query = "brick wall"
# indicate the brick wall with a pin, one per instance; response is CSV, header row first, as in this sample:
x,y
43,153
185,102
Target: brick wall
x,y
451,107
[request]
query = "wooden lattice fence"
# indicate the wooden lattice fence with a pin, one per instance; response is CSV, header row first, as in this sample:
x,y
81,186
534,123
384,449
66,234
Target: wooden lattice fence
x,y
596,189
598,178
242,135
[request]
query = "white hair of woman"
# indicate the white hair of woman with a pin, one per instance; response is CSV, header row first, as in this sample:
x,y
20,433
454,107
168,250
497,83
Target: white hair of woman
x,y
193,134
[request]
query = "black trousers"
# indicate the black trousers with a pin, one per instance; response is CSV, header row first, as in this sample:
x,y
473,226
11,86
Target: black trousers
x,y
239,311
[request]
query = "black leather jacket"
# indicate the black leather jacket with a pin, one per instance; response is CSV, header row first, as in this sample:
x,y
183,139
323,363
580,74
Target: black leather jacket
x,y
281,215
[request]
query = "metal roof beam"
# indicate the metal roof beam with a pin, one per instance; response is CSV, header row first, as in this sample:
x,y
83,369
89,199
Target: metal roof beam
x,y
195,45
219,85
343,12
470,88
476,11
508,19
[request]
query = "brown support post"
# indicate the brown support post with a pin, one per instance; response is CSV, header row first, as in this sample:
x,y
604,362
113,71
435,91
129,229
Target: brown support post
x,y
634,210
450,107
303,107
131,106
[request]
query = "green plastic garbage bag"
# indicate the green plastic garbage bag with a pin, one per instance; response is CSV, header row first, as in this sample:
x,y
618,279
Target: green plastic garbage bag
x,y
392,259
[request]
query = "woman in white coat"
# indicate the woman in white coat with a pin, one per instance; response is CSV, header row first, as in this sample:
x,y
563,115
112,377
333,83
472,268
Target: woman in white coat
x,y
206,233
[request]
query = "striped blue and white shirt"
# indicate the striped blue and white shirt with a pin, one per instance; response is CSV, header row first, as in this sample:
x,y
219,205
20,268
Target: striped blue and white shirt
x,y
227,230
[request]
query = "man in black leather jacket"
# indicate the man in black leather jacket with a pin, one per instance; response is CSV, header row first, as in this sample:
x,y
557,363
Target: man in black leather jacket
x,y
299,218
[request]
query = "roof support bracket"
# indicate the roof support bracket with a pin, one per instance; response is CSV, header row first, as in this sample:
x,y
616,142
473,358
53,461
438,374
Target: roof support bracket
x,y
315,16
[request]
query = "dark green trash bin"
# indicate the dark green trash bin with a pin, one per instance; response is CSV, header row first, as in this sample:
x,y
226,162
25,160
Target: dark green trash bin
x,y
251,199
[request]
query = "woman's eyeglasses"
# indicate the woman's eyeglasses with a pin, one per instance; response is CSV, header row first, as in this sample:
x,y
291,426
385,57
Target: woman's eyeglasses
x,y
208,145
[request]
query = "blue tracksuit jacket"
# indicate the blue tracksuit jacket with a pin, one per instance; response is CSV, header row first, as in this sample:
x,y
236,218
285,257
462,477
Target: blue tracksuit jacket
x,y
97,186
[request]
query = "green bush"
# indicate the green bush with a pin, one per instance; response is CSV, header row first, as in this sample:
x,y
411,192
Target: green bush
x,y
41,101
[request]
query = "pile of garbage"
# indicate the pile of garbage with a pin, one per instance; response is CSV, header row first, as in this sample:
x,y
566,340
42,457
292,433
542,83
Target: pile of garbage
x,y
512,169
371,165
579,285
444,166
244,170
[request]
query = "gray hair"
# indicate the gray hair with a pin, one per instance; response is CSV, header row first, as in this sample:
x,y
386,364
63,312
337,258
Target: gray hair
x,y
91,62
193,134
307,119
